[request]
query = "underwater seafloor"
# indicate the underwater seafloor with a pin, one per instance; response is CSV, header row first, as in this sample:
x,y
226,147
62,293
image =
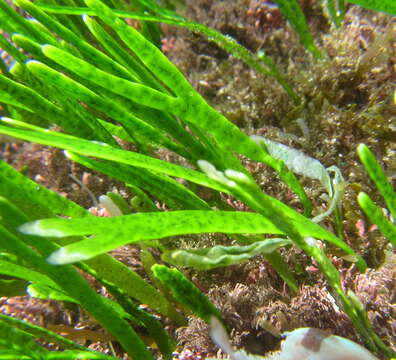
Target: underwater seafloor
x,y
348,100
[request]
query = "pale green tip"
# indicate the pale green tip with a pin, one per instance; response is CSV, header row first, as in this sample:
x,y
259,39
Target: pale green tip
x,y
63,257
210,170
236,176
46,48
35,228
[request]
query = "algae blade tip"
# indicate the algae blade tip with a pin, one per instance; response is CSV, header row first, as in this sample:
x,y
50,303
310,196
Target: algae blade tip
x,y
62,257
35,228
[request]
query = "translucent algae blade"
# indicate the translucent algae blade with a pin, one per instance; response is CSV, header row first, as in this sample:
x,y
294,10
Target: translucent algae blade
x,y
218,256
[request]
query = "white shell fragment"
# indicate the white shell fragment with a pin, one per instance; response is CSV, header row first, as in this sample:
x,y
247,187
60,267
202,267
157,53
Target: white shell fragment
x,y
300,344
109,205
220,337
315,344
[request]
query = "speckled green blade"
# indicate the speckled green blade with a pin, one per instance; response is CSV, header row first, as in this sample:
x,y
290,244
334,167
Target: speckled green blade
x,y
131,283
90,52
34,199
68,21
186,292
387,6
18,340
72,88
103,151
32,100
378,176
22,272
41,333
154,327
73,117
116,131
295,225
121,55
147,52
223,41
46,110
43,291
194,109
37,197
140,94
11,50
134,91
27,45
156,224
120,230
188,105
377,217
21,25
9,99
75,355
99,60
276,260
165,189
77,20
7,25
218,256
69,280
121,113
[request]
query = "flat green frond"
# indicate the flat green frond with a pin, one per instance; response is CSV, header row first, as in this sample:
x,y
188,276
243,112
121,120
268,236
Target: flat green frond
x,y
292,223
19,340
133,125
36,200
378,176
117,52
376,216
227,43
77,355
11,50
134,91
81,46
185,292
103,151
386,6
114,271
111,233
22,272
74,284
23,26
164,188
218,256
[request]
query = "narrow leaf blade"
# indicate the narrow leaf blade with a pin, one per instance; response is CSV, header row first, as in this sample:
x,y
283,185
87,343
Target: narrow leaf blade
x,y
218,256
